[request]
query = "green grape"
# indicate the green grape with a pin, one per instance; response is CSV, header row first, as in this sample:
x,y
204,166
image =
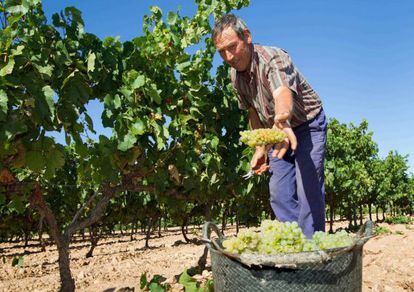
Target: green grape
x,y
261,137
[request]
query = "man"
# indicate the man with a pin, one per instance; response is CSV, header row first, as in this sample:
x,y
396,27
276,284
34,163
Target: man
x,y
275,93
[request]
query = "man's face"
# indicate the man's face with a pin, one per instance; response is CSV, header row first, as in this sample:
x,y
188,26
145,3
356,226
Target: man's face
x,y
233,50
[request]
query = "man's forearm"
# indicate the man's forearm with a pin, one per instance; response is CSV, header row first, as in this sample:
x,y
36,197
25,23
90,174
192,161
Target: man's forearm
x,y
283,98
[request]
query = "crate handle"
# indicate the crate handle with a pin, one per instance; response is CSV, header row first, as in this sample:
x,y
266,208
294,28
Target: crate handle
x,y
365,233
207,228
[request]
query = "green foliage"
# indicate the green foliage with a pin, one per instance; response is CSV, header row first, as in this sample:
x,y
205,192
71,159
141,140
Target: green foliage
x,y
209,286
154,284
350,149
378,230
191,285
399,220
355,176
50,72
18,261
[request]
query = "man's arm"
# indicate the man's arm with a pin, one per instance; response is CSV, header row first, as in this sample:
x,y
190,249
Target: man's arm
x,y
283,99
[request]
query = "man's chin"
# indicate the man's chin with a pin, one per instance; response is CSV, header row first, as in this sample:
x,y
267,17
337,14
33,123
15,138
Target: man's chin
x,y
240,69
237,67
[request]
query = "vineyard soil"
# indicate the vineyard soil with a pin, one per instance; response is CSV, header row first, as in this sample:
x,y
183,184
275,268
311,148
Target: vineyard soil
x,y
118,262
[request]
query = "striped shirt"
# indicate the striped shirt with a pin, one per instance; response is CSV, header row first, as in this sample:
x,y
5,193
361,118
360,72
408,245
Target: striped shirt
x,y
270,68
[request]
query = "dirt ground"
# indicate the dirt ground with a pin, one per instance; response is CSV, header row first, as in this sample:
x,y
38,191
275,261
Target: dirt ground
x,y
118,262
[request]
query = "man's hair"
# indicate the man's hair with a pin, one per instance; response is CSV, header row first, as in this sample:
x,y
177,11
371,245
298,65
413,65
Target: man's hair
x,y
229,20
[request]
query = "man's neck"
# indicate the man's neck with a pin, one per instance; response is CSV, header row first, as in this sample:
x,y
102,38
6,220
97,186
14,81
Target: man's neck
x,y
249,67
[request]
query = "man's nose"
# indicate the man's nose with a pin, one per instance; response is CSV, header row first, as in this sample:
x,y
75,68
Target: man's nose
x,y
229,56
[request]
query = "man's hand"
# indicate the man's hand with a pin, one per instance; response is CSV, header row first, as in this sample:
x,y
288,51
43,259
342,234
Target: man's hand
x,y
282,147
259,160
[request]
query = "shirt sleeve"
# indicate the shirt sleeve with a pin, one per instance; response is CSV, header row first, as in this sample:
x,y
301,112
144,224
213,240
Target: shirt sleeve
x,y
241,99
281,71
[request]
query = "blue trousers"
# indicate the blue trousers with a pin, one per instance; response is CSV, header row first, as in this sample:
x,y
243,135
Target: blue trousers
x,y
296,184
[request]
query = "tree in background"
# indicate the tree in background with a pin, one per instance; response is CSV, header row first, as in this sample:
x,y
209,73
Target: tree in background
x,y
48,73
350,149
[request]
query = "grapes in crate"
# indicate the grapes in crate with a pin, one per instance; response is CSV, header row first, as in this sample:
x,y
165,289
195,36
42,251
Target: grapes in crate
x,y
260,137
276,237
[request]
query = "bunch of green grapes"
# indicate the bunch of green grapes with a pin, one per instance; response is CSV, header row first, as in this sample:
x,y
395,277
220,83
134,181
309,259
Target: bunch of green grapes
x,y
284,237
326,241
246,241
278,237
261,137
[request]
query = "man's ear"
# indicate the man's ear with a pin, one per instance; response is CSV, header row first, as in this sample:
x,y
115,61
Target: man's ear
x,y
247,36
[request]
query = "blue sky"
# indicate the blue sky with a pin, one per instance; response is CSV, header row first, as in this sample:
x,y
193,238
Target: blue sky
x,y
358,55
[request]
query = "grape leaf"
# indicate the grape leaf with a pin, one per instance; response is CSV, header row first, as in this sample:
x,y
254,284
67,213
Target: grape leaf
x,y
189,283
49,94
35,161
3,105
138,82
138,128
128,142
8,69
